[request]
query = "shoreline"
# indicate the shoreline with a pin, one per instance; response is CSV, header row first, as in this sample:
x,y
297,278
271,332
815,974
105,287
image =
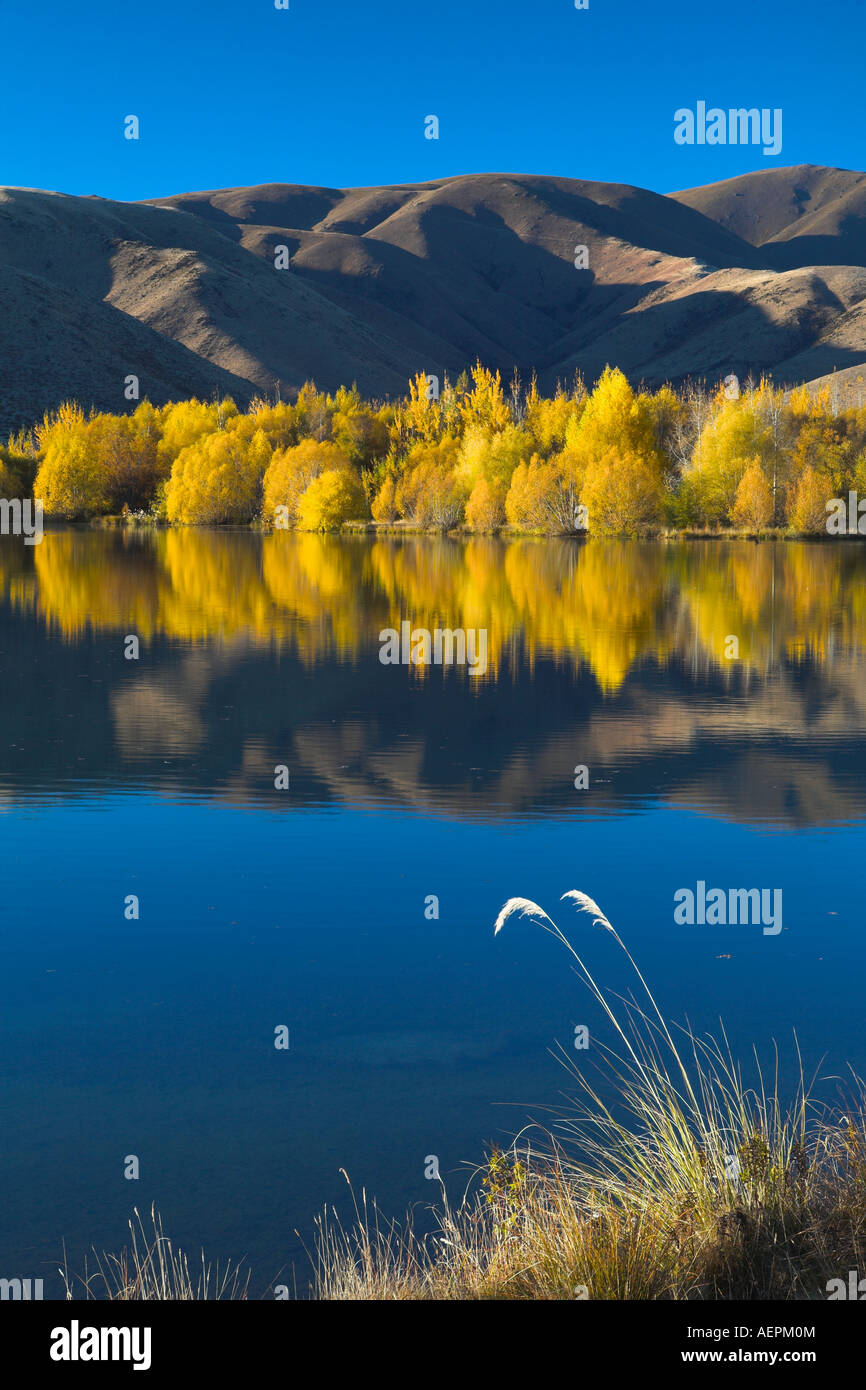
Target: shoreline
x,y
505,533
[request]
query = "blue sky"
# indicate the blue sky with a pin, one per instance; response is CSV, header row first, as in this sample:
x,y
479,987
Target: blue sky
x,y
335,92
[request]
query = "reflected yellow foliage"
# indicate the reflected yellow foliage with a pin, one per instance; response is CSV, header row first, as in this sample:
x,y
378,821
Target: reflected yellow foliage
x,y
214,588
93,580
603,604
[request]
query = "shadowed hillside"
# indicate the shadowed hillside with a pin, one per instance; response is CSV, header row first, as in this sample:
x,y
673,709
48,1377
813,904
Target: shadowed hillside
x,y
761,273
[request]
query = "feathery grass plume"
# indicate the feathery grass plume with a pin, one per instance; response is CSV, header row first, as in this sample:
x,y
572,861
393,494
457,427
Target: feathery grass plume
x,y
524,906
587,904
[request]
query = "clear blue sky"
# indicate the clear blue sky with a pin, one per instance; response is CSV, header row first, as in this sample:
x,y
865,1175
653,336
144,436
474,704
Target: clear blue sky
x,y
335,92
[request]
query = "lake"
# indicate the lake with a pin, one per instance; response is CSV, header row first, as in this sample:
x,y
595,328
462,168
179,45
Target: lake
x,y
412,790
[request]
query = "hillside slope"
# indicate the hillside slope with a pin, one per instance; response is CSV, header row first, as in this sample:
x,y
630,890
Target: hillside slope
x,y
764,272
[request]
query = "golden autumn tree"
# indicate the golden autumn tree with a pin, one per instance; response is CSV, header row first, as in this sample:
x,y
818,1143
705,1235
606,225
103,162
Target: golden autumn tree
x,y
490,454
313,413
542,497
523,503
753,504
333,497
485,509
614,419
361,432
218,480
858,475
807,512
547,419
622,493
823,445
290,473
72,483
731,439
184,422
384,504
484,401
419,417
428,493
126,449
278,420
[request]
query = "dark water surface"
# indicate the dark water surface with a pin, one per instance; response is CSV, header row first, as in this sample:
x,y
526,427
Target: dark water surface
x,y
409,1037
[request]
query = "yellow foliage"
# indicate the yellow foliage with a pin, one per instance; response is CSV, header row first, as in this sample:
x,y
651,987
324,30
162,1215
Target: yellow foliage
x,y
541,497
125,448
421,416
808,511
822,445
277,420
428,493
753,506
484,510
185,422
491,455
384,506
218,480
313,412
622,494
72,483
731,439
549,420
290,473
333,497
484,403
637,456
614,419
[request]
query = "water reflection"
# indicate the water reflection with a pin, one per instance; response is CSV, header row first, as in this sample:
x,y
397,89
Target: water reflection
x,y
612,654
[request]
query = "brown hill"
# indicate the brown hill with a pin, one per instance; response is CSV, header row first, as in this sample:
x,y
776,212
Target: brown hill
x,y
384,282
805,215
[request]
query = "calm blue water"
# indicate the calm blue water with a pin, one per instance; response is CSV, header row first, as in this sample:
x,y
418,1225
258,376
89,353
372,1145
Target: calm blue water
x,y
409,1037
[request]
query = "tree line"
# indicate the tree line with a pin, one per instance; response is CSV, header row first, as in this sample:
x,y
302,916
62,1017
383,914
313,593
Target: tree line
x,y
476,455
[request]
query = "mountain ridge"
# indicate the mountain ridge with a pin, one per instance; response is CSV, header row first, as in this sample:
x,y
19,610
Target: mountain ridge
x,y
385,281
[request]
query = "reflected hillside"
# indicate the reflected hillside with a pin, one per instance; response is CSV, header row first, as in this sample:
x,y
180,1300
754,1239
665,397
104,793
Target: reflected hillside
x,y
264,649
